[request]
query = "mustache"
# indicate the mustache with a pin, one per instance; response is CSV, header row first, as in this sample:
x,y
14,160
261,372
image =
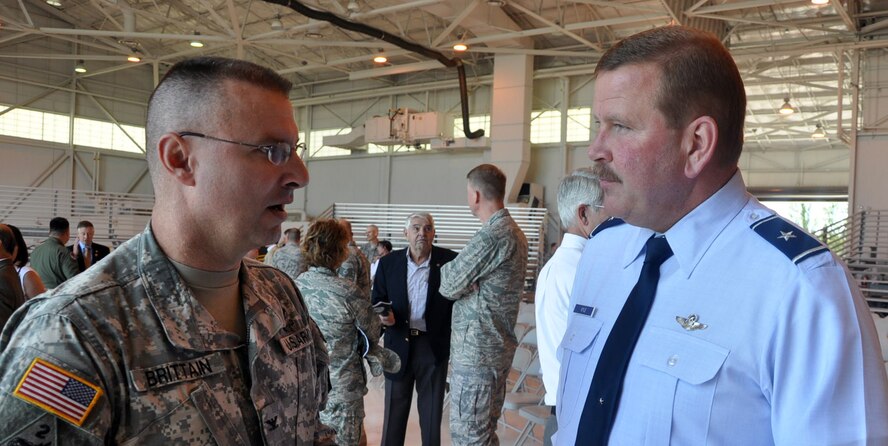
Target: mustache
x,y
604,173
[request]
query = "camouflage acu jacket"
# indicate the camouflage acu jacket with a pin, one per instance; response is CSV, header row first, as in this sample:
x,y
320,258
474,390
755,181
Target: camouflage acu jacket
x,y
124,354
288,258
356,269
494,259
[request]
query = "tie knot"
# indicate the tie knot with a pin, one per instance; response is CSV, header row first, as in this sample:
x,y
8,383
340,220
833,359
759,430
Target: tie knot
x,y
657,250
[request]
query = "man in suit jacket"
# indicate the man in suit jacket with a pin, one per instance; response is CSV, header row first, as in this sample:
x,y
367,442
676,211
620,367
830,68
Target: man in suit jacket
x,y
84,251
417,329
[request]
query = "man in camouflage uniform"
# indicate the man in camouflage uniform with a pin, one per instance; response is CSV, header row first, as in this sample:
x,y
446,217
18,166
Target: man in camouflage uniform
x,y
174,338
288,258
355,268
369,248
486,280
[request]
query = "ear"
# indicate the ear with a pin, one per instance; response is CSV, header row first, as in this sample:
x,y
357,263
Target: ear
x,y
581,214
699,144
176,158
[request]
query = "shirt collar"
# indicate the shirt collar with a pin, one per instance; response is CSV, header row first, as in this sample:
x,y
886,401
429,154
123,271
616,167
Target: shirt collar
x,y
424,264
573,241
692,236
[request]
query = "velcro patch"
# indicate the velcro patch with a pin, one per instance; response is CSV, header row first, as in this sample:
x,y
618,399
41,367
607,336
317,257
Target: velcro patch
x,y
58,391
163,375
293,342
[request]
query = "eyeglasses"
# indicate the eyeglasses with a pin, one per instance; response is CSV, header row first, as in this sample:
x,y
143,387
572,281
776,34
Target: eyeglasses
x,y
278,153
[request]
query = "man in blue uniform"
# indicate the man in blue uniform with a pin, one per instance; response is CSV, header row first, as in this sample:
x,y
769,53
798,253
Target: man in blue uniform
x,y
719,322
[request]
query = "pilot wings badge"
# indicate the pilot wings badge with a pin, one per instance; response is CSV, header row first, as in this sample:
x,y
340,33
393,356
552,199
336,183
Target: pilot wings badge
x,y
690,323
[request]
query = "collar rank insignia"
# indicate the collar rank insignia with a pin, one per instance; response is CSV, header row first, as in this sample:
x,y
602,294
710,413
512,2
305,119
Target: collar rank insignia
x,y
690,323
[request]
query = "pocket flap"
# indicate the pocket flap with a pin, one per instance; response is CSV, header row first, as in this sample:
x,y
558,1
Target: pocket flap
x,y
683,356
580,333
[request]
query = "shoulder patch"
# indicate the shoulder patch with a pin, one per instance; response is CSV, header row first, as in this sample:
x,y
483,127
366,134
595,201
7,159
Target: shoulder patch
x,y
609,223
58,391
790,240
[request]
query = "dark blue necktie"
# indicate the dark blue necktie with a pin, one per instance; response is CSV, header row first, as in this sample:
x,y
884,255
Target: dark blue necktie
x,y
600,410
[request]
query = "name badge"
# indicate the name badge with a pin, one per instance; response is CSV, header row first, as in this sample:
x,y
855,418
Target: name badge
x,y
582,309
163,375
294,342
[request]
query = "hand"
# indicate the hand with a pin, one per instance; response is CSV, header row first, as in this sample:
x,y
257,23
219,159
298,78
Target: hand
x,y
75,253
387,320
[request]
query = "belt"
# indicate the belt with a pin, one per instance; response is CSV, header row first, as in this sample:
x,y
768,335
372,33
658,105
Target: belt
x,y
414,332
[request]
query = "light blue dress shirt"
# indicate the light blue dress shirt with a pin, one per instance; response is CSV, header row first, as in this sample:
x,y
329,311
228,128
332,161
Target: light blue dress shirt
x,y
417,291
781,353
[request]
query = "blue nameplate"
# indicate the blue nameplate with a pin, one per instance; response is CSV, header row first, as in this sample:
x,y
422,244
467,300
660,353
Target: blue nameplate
x,y
582,309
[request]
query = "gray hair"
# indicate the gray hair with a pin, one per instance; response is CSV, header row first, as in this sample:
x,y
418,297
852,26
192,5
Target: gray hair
x,y
424,215
579,188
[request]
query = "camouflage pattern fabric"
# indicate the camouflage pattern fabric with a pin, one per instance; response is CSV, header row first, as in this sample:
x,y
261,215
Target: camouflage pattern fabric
x,y
168,374
369,250
347,418
350,328
477,395
486,281
356,269
288,259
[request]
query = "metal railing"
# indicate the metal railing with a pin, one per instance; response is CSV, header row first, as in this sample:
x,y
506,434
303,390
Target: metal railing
x,y
861,240
116,217
454,226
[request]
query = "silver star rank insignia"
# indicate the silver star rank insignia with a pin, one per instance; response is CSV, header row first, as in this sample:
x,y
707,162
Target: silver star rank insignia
x,y
690,323
786,235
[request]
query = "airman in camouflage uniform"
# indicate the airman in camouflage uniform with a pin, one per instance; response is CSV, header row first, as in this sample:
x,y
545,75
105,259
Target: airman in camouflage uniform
x,y
356,268
352,331
131,351
288,258
486,280
369,248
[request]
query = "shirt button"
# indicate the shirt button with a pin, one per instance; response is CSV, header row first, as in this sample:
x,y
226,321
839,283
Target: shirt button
x,y
600,400
672,361
753,216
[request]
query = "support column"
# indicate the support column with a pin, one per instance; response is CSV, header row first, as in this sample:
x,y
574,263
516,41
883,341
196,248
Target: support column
x,y
510,119
869,145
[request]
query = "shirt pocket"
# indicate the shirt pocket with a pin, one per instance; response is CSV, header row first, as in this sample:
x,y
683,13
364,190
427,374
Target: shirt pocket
x,y
197,420
576,365
686,369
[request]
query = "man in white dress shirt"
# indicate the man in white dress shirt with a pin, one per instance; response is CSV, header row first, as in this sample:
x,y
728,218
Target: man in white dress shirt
x,y
706,319
579,209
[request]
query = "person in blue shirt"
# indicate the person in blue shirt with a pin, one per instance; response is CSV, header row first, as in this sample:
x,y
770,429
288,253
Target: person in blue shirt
x,y
756,333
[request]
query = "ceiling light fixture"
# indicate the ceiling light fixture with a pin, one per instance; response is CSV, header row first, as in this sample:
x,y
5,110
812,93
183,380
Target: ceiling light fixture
x,y
460,44
314,35
196,43
276,24
56,3
786,109
380,58
819,133
496,3
353,6
133,58
80,67
819,2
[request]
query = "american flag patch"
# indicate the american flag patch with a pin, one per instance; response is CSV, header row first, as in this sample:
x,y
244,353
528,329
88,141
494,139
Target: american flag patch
x,y
58,391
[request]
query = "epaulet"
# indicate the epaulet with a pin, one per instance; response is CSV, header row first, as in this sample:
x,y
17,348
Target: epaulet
x,y
609,223
790,240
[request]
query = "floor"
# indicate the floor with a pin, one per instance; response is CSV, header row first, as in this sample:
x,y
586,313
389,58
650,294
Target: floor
x,y
374,407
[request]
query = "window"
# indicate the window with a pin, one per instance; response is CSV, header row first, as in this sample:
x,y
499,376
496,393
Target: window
x,y
120,140
579,124
92,133
545,127
316,146
376,148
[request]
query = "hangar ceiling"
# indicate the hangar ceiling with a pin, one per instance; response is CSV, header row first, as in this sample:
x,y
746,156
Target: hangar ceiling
x,y
784,48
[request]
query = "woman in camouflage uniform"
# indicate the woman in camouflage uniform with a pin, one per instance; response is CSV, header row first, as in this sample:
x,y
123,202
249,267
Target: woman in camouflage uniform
x,y
347,322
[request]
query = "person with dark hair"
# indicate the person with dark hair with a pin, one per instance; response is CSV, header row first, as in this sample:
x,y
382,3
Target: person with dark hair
x,y
288,258
11,295
702,317
417,329
383,248
175,338
30,280
51,260
84,251
348,325
486,281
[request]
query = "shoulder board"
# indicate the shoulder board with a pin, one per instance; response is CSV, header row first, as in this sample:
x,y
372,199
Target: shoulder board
x,y
790,240
609,223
